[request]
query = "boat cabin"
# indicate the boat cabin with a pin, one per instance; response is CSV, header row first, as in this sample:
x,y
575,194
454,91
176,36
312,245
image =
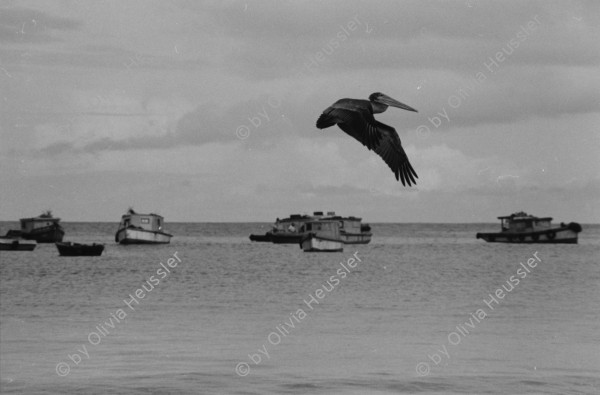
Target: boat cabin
x,y
324,228
45,220
319,214
350,224
522,222
291,224
151,222
294,223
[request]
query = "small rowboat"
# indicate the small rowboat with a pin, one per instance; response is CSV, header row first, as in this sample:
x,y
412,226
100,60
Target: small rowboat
x,y
15,244
76,249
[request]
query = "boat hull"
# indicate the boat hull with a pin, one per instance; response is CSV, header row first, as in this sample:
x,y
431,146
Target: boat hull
x,y
279,237
266,238
355,238
295,238
47,234
75,249
286,238
562,235
314,243
10,244
140,236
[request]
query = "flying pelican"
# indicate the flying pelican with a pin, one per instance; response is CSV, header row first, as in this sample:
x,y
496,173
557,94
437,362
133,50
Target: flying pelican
x,y
355,117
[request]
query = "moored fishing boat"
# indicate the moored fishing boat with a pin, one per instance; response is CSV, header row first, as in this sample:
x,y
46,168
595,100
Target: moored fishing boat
x,y
523,228
287,230
43,229
321,236
138,228
353,231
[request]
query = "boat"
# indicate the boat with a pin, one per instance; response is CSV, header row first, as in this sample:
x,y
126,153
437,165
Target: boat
x,y
43,229
76,249
321,236
16,244
353,231
261,238
138,228
524,228
287,230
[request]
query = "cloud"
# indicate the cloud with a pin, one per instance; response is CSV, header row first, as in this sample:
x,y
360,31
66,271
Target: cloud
x,y
222,98
120,123
409,35
24,25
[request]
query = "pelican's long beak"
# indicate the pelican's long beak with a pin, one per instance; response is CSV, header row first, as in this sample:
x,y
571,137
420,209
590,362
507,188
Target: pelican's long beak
x,y
385,99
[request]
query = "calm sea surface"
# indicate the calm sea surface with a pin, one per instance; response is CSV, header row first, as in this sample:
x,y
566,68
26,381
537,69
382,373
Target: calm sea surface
x,y
419,313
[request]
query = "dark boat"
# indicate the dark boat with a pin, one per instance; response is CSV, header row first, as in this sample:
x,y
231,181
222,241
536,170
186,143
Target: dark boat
x,y
285,231
43,229
523,228
76,249
15,244
261,238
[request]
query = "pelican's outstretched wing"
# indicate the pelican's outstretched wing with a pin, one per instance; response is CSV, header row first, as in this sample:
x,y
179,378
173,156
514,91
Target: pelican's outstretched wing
x,y
354,117
390,149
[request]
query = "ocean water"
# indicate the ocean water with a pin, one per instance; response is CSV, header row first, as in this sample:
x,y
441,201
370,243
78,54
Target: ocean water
x,y
415,311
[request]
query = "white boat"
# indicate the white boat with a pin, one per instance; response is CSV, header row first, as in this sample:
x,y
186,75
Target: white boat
x,y
321,236
352,231
141,229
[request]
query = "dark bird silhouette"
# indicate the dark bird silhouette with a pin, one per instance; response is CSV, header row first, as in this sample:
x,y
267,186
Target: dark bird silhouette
x,y
355,117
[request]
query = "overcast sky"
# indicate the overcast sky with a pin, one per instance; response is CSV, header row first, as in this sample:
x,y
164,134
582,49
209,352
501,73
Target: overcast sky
x,y
206,111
